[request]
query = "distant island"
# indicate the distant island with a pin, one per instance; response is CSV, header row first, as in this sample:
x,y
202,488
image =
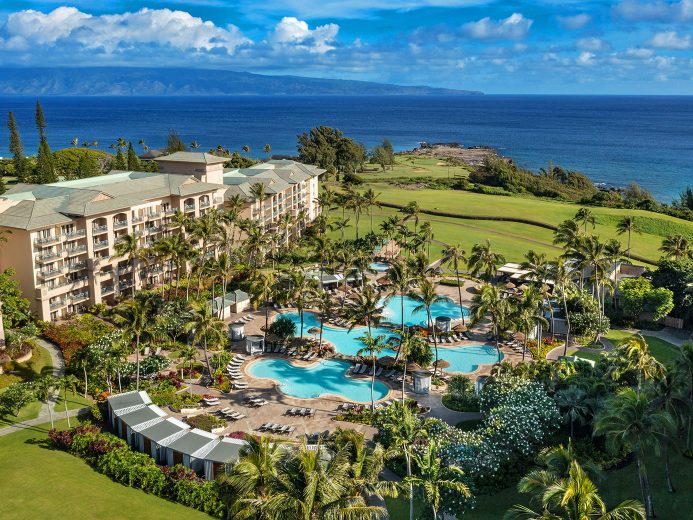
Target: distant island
x,y
131,81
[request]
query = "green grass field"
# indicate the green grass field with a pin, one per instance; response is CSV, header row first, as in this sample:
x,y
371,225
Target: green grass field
x,y
38,482
662,350
511,239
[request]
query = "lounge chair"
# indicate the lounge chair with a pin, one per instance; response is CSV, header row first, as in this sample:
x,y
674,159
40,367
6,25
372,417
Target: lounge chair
x,y
283,429
264,426
224,411
363,369
311,412
146,351
379,371
370,371
355,369
235,377
292,411
388,373
240,384
158,352
291,429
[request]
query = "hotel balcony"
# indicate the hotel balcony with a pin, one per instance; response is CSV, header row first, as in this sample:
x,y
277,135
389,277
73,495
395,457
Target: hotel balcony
x,y
78,233
125,284
189,207
52,255
99,229
78,298
205,204
57,304
100,245
170,211
47,274
218,200
107,289
76,250
46,241
153,229
155,214
137,220
120,224
78,266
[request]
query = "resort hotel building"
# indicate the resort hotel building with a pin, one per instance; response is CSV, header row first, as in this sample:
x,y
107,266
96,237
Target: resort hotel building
x,y
60,237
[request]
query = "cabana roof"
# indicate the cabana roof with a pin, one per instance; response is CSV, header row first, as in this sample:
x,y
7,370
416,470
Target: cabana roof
x,y
128,401
143,417
165,429
227,450
193,441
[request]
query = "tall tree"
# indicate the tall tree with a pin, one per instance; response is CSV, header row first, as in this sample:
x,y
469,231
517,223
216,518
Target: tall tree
x,y
136,317
488,300
129,246
133,162
627,225
67,383
585,216
677,247
205,327
483,261
45,167
454,256
426,297
372,346
21,168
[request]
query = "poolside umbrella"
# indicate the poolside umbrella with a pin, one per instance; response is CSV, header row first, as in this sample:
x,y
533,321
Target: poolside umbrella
x,y
387,361
460,328
384,280
314,330
519,336
413,367
510,285
441,363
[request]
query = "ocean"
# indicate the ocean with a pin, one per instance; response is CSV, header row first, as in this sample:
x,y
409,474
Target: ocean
x,y
613,139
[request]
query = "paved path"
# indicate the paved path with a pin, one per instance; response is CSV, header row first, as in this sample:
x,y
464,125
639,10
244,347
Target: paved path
x,y
675,336
44,415
41,420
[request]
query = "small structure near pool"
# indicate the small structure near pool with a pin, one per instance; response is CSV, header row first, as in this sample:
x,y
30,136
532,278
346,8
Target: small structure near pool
x,y
254,345
443,323
233,302
422,382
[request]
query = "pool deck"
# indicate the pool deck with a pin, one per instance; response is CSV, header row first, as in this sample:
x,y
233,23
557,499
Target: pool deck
x,y
326,407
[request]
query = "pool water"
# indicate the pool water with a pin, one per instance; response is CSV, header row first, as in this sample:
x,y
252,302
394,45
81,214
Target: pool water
x,y
462,359
393,311
327,377
379,267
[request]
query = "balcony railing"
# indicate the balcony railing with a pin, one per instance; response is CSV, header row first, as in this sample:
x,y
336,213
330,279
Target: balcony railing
x,y
218,200
49,256
57,304
104,274
80,297
205,204
119,224
124,270
99,229
76,250
136,220
189,207
50,273
100,245
170,211
77,266
155,214
153,229
124,285
107,289
77,233
44,241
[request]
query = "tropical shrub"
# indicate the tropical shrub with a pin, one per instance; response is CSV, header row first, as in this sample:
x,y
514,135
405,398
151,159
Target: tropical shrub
x,y
15,397
110,456
283,328
75,334
460,395
637,295
206,422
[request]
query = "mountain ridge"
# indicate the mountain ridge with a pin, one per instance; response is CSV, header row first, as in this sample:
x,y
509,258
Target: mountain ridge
x,y
133,81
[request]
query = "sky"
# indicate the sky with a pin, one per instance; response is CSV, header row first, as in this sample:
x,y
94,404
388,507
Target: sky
x,y
523,47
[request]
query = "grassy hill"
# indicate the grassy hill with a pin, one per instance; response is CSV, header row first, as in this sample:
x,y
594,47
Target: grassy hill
x,y
401,185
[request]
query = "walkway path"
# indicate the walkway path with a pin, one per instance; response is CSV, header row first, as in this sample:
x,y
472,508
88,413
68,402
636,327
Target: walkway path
x,y
44,415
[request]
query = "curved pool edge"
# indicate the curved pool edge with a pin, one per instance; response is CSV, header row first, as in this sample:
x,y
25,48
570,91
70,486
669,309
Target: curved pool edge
x,y
276,385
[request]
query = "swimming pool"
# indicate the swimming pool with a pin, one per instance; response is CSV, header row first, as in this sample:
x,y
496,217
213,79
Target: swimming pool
x,y
462,359
393,311
379,267
328,377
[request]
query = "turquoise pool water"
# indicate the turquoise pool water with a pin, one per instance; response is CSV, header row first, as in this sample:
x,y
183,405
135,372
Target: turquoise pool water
x,y
462,359
379,267
393,311
328,377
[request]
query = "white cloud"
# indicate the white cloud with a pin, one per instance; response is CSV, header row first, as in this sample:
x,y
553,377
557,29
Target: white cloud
x,y
163,27
670,40
585,59
513,27
591,44
292,32
639,53
662,11
577,21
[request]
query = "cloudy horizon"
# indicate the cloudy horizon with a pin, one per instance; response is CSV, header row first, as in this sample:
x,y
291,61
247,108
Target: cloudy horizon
x,y
540,46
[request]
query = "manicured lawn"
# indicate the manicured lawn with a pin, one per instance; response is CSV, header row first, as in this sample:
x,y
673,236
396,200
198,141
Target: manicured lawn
x,y
74,401
38,482
662,350
409,167
654,226
39,364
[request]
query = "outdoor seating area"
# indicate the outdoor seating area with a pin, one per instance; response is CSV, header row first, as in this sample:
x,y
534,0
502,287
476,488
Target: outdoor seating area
x,y
277,428
301,412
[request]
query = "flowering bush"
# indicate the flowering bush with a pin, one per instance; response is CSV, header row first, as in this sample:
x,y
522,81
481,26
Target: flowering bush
x,y
113,458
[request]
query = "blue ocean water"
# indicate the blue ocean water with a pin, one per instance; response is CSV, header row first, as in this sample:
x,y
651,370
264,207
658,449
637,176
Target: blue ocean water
x,y
613,139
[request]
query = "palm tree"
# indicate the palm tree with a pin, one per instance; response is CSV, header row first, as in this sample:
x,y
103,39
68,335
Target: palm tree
x,y
262,291
322,249
585,216
314,483
188,353
129,246
567,233
628,419
574,404
136,317
267,148
539,274
627,225
366,307
671,398
66,383
400,283
488,300
302,292
412,212
562,278
454,256
250,480
677,247
405,432
259,193
372,347
389,227
434,477
205,326
571,497
427,296
326,307
370,199
43,389
483,261
528,315
635,353
683,373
